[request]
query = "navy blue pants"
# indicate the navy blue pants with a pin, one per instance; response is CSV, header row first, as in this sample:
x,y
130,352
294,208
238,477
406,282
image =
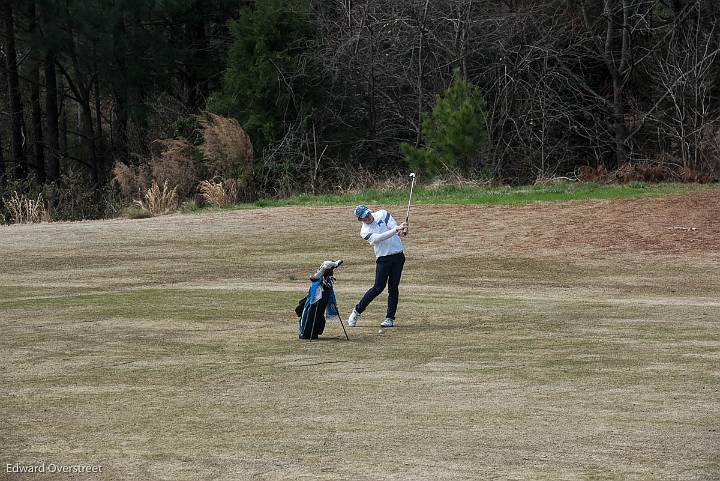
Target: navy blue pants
x,y
387,271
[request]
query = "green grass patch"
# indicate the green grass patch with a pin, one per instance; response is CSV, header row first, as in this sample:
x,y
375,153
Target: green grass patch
x,y
475,195
492,195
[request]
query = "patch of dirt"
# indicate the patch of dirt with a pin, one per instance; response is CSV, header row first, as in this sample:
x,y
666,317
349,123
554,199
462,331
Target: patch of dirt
x,y
680,224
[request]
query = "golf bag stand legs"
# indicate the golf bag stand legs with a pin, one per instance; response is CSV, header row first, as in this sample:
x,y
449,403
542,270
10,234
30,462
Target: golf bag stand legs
x,y
342,324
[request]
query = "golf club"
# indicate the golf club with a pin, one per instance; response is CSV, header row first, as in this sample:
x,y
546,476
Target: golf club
x,y
407,216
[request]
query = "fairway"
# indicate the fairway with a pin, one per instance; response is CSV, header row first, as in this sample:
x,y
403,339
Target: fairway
x,y
570,340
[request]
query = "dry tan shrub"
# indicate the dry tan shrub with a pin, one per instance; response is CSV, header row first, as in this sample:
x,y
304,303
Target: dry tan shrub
x,y
688,174
355,180
124,177
709,152
232,190
131,180
457,180
394,183
159,201
220,194
599,174
24,210
643,172
227,148
361,179
664,169
551,180
176,165
212,192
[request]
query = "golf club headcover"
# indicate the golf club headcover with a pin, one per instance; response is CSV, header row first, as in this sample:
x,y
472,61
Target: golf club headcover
x,y
326,269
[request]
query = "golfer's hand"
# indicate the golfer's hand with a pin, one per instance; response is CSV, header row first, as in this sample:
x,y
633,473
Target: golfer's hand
x,y
402,229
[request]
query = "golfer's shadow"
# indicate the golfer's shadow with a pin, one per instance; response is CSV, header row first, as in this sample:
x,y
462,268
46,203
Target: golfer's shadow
x,y
327,338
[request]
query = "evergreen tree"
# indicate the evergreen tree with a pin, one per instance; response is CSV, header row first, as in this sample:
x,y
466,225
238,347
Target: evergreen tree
x,y
453,132
266,84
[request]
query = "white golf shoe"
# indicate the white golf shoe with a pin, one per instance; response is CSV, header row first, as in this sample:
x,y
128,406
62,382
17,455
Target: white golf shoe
x,y
388,322
354,318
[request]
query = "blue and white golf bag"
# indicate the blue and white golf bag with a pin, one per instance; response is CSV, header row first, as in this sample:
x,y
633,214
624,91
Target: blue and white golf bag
x,y
319,303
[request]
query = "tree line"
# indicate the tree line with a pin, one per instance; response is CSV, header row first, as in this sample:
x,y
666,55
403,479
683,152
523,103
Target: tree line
x,y
324,87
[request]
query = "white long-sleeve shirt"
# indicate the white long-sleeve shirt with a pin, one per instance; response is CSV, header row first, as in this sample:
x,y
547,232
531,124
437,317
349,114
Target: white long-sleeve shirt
x,y
381,234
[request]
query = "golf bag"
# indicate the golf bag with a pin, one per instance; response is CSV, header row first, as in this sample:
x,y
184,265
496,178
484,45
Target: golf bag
x,y
319,302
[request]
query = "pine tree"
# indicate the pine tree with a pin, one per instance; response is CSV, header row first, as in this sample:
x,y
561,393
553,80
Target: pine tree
x,y
453,132
265,84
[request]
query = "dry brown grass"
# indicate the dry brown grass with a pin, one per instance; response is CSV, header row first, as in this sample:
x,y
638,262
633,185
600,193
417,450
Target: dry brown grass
x,y
159,201
709,152
628,172
549,180
456,180
644,172
176,165
131,180
361,180
528,347
688,174
665,169
220,194
227,148
24,210
358,180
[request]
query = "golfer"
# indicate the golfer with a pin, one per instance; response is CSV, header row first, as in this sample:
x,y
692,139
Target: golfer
x,y
382,232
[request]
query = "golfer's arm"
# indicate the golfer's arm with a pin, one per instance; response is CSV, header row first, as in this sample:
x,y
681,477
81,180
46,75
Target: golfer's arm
x,y
375,238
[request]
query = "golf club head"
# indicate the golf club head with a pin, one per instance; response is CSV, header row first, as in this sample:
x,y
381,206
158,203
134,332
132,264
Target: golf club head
x,y
326,269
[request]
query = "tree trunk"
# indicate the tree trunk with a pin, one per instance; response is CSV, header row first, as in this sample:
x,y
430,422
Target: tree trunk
x,y
82,86
98,141
119,126
16,107
37,130
87,136
63,130
119,123
2,166
619,122
38,141
421,72
51,125
140,121
617,70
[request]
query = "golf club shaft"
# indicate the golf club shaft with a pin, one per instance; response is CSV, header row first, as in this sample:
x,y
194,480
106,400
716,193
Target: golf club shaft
x,y
407,216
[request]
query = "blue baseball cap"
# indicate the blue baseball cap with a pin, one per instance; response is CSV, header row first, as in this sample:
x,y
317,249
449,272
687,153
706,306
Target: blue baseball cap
x,y
361,211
